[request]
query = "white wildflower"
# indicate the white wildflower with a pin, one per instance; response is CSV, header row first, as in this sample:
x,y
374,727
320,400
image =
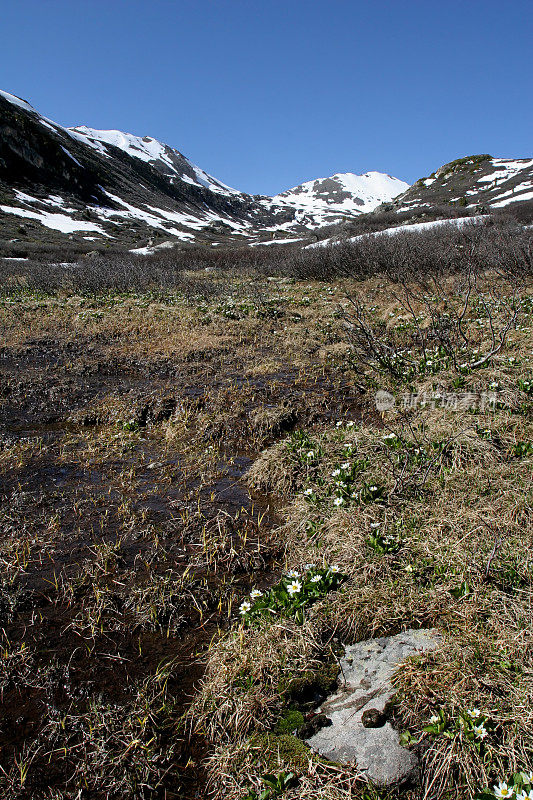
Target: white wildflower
x,y
255,593
480,731
339,501
294,587
293,573
503,790
245,607
316,578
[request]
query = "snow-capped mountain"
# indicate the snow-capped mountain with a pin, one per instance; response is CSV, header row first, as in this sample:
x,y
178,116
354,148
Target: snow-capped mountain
x,y
112,187
325,201
165,159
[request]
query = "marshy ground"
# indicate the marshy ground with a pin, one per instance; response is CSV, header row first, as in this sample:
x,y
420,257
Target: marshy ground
x,y
163,455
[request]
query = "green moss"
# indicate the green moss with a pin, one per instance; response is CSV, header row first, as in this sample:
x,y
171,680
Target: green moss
x,y
467,161
283,749
290,721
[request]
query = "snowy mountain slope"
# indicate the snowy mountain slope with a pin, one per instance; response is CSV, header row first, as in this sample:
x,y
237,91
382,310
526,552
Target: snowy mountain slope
x,y
417,227
124,190
106,186
165,159
328,200
471,182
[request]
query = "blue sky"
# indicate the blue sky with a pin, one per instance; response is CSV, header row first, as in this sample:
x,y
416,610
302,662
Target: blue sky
x,y
265,94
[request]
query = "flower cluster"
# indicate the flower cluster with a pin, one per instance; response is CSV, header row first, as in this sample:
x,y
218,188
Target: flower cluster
x,y
381,541
344,489
471,723
518,787
296,590
307,451
231,309
526,386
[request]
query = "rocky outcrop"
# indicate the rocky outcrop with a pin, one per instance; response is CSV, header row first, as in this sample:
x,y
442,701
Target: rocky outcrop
x,y
360,732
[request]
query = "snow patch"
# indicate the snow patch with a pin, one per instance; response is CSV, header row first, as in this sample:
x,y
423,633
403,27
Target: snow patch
x,y
57,222
149,251
17,101
514,198
505,169
275,241
417,227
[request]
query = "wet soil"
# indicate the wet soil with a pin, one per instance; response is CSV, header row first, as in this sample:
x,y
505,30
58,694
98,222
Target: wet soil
x,y
100,504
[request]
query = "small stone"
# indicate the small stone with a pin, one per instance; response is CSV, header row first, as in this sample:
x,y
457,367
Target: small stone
x,y
313,725
372,718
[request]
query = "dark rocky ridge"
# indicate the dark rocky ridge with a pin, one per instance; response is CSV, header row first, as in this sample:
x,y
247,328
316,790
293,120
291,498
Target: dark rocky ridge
x,y
475,182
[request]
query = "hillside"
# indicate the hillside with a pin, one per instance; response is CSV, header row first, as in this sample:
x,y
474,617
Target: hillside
x,y
472,182
92,188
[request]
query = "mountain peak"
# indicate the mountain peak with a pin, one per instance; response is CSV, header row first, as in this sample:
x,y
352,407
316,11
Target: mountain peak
x,y
324,201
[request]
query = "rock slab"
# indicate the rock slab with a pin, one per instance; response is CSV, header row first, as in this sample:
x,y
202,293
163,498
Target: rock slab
x,y
365,686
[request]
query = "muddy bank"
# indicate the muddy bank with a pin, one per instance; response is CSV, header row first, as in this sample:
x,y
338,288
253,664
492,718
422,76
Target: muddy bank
x,y
128,539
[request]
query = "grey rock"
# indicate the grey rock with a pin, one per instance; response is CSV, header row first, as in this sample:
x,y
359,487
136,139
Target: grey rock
x,y
365,689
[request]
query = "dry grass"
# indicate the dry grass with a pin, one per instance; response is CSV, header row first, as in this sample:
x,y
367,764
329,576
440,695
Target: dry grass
x,y
462,519
133,516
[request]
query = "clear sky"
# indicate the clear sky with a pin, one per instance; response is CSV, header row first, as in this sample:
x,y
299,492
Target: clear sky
x,y
265,94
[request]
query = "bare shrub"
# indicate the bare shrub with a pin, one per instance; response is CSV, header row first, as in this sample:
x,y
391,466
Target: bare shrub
x,y
459,292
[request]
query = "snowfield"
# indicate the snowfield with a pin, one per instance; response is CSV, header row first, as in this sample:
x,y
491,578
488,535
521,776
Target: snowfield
x,y
57,222
417,227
